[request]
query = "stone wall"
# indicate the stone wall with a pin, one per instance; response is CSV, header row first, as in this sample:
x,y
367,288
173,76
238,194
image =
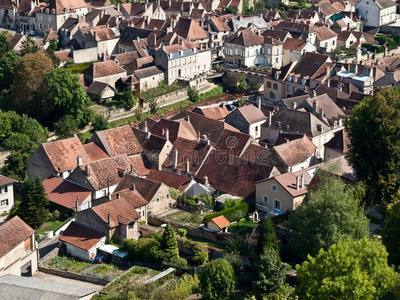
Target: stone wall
x,y
71,275
219,237
49,257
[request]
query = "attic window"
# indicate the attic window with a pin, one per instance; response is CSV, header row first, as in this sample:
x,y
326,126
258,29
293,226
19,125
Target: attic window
x,y
287,127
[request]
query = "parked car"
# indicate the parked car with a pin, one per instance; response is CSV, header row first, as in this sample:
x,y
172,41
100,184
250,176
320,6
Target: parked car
x,y
31,32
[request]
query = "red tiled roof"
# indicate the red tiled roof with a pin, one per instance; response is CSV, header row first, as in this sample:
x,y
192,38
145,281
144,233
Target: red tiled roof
x,y
4,180
133,198
324,33
179,128
221,221
294,44
94,152
213,111
119,140
296,151
63,154
232,142
175,181
245,38
288,182
81,236
251,114
103,69
62,6
116,208
138,165
64,192
12,233
145,187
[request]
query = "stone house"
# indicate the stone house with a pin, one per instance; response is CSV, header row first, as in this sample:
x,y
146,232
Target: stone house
x,y
156,148
116,219
100,90
18,249
219,223
293,49
339,145
104,39
106,71
6,194
219,31
247,119
377,13
190,30
82,242
326,39
155,193
134,199
149,77
274,83
283,192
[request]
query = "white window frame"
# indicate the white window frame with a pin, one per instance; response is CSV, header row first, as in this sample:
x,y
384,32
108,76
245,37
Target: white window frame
x,y
274,188
276,201
266,197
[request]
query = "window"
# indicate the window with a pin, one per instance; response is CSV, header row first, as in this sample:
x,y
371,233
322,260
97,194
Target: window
x,y
269,51
277,60
143,213
265,199
256,131
268,84
158,199
4,189
275,86
277,204
274,188
4,202
278,51
130,226
294,89
288,88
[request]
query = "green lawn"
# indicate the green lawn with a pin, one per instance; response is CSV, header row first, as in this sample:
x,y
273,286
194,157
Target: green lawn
x,y
49,226
79,68
184,217
206,242
243,227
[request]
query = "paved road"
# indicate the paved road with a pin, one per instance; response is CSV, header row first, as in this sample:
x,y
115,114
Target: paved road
x,y
48,245
67,281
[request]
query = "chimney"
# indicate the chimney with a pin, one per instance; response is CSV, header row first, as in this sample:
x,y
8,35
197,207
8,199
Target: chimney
x,y
287,140
302,183
313,94
270,118
315,107
328,83
297,182
87,171
187,119
118,196
109,219
167,134
131,169
133,187
175,158
146,129
79,160
155,39
321,112
259,103
187,166
294,105
148,134
77,204
198,136
206,180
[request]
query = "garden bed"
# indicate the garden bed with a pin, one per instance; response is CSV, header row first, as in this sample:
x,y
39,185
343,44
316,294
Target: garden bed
x,y
205,242
187,218
242,227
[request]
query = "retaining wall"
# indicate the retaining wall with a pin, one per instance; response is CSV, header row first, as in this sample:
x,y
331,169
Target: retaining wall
x,y
71,275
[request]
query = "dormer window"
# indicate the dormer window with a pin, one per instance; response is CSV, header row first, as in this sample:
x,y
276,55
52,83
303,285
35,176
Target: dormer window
x,y
294,79
276,76
288,78
303,82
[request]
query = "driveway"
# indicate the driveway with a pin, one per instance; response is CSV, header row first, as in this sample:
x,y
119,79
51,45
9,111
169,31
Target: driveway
x,y
47,245
67,281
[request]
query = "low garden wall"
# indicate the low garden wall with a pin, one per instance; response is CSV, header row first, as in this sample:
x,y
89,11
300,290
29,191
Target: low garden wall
x,y
73,275
49,257
219,237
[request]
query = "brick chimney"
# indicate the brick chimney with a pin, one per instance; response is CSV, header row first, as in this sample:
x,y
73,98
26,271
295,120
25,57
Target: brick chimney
x,y
79,160
206,180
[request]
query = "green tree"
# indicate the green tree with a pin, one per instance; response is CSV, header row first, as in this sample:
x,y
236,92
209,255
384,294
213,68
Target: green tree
x,y
28,77
15,165
99,123
329,213
348,270
232,10
5,126
51,49
267,237
391,233
193,94
28,46
374,124
169,244
242,83
65,93
271,272
260,4
217,280
33,204
17,141
8,61
153,105
5,45
65,127
128,100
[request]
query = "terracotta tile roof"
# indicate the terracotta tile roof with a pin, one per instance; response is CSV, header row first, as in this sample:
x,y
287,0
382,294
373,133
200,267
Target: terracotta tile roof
x,y
147,72
177,128
119,140
145,187
288,182
245,38
94,152
266,156
17,37
340,142
190,30
344,35
295,27
385,3
294,44
232,175
180,47
331,92
103,69
331,111
220,221
271,41
4,180
63,55
324,33
251,114
206,126
155,24
97,88
116,208
65,192
12,233
126,58
138,165
154,143
7,4
232,142
63,6
213,111
327,8
310,63
296,151
197,13
81,236
175,181
63,154
133,198
107,171
220,24
193,151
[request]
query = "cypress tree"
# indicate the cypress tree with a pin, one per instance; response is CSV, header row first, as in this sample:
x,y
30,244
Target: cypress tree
x,y
169,244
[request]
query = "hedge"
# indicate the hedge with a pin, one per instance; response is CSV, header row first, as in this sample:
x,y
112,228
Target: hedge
x,y
234,213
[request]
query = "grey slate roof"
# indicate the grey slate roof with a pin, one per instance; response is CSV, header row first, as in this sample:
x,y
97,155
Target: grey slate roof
x,y
29,288
385,3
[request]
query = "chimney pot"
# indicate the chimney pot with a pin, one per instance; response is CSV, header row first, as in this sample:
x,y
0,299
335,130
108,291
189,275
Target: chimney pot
x,y
79,160
302,183
187,166
206,180
87,170
109,219
167,134
77,204
297,182
175,158
133,187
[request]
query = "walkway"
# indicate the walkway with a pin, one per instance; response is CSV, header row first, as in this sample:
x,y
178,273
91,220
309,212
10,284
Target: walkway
x,y
47,245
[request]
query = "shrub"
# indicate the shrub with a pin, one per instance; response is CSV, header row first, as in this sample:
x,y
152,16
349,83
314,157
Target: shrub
x,y
186,286
192,203
230,203
139,270
146,248
182,232
234,213
174,193
200,254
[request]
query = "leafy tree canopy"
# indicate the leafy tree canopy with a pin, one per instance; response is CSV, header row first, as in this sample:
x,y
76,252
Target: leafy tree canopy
x,y
5,45
267,238
193,94
391,233
169,244
28,46
374,124
348,270
8,61
329,213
